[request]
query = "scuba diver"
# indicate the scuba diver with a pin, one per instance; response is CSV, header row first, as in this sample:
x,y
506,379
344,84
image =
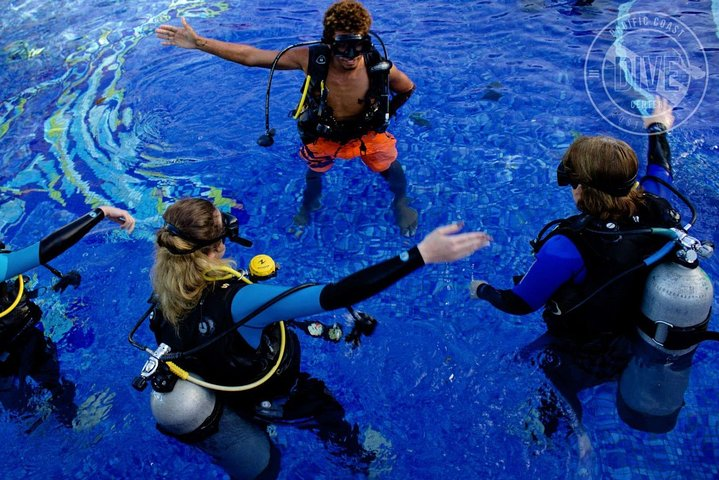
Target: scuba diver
x,y
25,351
345,107
226,338
590,270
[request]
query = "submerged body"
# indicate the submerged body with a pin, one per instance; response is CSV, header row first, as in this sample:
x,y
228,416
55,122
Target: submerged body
x,y
589,271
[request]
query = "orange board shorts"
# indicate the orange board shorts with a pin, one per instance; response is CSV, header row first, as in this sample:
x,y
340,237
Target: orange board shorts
x,y
377,151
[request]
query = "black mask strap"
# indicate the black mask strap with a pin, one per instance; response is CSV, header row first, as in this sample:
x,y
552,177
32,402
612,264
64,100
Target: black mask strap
x,y
565,176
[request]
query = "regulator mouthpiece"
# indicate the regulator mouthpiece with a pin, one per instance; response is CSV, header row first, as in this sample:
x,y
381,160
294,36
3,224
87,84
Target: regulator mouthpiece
x,y
383,66
267,139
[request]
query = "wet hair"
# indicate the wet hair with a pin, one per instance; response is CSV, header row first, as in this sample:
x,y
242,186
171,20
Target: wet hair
x,y
346,16
177,280
604,160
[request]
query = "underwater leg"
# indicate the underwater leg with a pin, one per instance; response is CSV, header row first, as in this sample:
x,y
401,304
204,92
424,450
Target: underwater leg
x,y
310,197
405,216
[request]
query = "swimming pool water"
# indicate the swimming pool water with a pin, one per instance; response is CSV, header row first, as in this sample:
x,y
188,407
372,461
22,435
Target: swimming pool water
x,y
95,111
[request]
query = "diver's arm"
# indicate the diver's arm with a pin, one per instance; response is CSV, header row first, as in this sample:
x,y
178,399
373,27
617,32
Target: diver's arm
x,y
320,298
49,247
15,263
65,237
402,87
441,245
186,37
249,56
659,156
658,161
399,99
504,300
558,262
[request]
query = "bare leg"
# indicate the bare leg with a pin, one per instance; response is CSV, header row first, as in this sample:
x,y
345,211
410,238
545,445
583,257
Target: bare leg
x,y
405,215
310,197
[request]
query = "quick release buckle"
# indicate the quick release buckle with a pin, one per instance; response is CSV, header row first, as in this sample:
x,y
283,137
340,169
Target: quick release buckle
x,y
661,333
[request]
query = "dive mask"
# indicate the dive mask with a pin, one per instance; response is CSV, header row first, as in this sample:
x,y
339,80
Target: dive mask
x,y
350,45
566,176
231,230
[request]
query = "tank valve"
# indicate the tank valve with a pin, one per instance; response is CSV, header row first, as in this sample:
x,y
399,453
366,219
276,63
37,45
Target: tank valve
x,y
706,249
139,383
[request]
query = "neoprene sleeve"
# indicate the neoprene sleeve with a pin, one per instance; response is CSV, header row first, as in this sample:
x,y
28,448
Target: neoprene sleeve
x,y
67,236
370,281
659,151
504,300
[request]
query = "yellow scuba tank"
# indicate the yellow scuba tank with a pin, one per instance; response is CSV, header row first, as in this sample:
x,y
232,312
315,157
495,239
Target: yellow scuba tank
x,y
675,308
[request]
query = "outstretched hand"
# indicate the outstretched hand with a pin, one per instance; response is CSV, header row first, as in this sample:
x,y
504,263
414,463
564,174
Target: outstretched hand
x,y
662,114
444,244
118,215
184,37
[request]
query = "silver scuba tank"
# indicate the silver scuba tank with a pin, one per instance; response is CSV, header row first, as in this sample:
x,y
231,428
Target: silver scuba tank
x,y
651,388
184,409
675,296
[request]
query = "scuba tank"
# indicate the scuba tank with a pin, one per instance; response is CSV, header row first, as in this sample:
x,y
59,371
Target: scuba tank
x,y
181,408
183,405
186,411
675,312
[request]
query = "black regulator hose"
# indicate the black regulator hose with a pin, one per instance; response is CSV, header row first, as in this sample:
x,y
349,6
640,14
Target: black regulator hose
x,y
679,195
268,138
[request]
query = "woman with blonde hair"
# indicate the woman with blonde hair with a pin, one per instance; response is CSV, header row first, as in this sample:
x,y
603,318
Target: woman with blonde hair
x,y
232,334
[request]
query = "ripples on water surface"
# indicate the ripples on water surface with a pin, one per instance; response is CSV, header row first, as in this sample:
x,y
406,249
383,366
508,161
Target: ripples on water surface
x,y
95,111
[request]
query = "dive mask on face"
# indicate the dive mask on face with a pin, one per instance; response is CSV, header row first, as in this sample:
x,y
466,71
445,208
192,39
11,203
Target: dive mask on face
x,y
350,45
565,176
231,230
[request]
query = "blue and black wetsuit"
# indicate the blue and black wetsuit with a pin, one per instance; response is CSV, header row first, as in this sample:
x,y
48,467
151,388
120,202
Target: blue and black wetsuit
x,y
588,327
560,260
25,351
15,263
247,354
